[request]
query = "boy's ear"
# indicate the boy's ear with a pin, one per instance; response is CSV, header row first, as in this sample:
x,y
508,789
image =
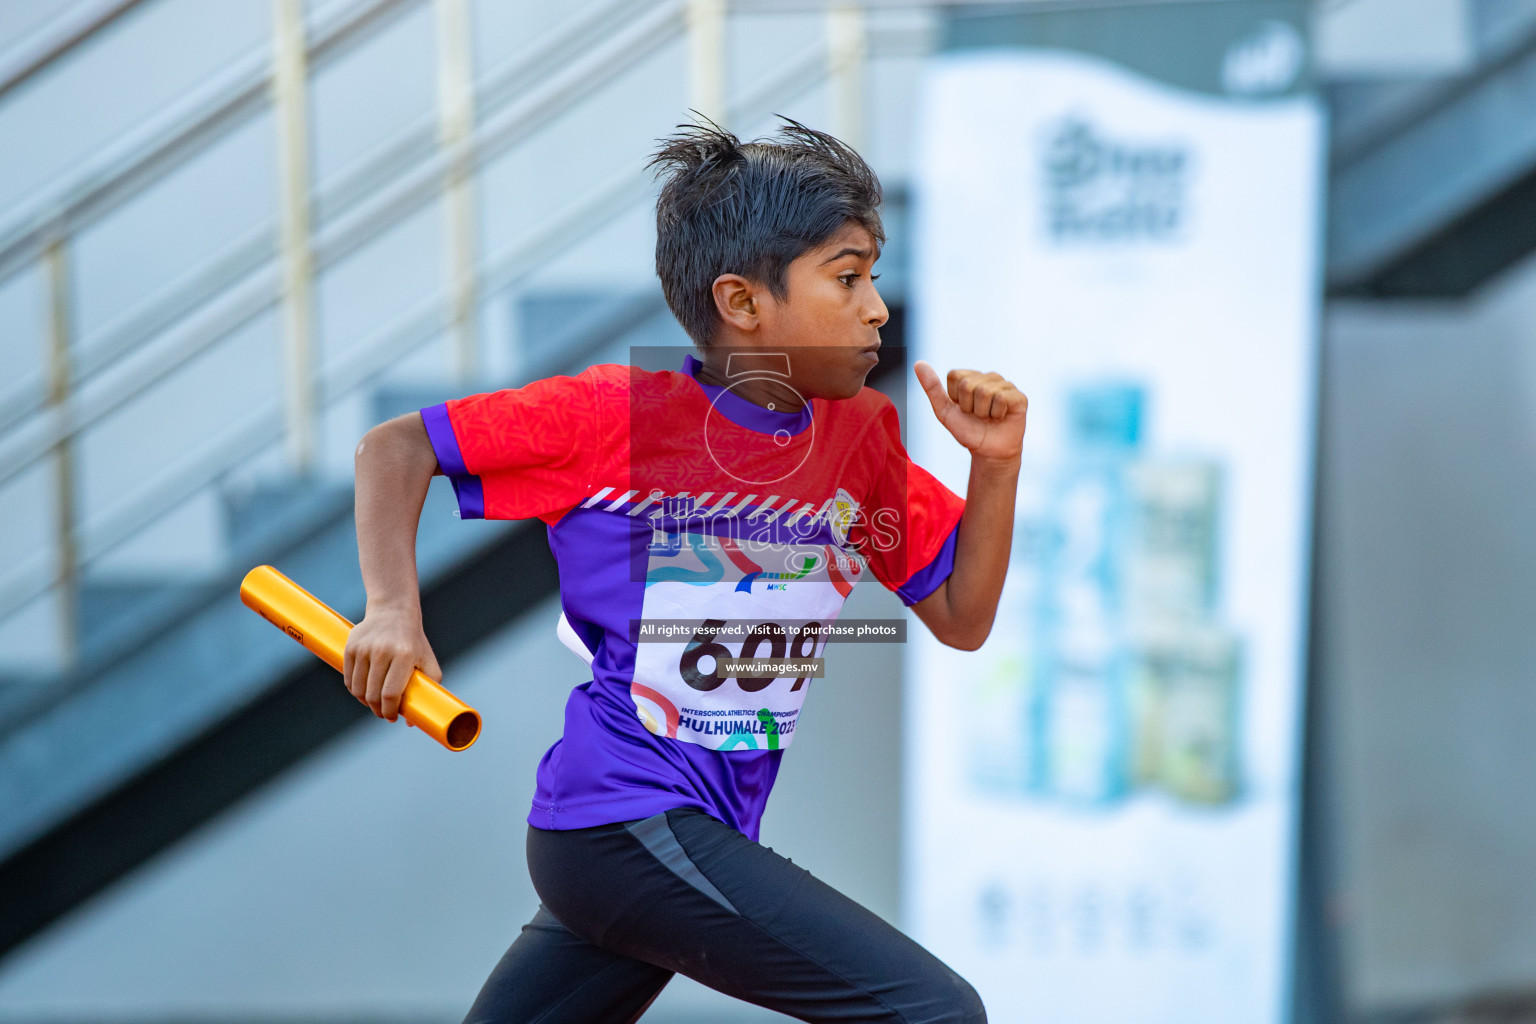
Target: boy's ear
x,y
736,300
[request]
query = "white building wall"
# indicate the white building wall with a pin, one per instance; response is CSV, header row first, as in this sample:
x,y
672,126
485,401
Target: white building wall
x,y
1428,644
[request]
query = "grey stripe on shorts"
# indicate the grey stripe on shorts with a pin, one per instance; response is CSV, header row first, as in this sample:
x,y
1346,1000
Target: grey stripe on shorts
x,y
657,836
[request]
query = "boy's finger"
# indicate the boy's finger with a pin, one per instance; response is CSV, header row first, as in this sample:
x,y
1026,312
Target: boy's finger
x,y
1018,401
394,687
377,669
968,397
982,393
1001,400
983,402
928,377
357,680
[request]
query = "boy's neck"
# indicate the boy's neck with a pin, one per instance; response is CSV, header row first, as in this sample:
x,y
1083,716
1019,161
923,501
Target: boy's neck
x,y
768,392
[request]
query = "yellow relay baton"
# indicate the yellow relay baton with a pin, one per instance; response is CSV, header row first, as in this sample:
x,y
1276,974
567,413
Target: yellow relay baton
x,y
297,612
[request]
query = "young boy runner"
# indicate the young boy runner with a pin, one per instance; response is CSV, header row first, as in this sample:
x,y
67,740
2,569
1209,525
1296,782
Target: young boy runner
x,y
734,502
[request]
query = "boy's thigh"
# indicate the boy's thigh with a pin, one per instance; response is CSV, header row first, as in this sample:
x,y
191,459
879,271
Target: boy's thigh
x,y
744,920
551,976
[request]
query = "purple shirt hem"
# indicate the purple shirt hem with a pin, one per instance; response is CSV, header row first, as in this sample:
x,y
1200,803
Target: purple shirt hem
x,y
928,579
466,485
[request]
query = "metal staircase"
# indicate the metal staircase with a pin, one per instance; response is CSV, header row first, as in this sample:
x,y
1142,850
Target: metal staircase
x,y
1433,182
169,701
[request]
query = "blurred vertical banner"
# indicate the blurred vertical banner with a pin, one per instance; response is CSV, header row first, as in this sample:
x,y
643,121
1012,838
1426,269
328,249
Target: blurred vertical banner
x,y
1118,208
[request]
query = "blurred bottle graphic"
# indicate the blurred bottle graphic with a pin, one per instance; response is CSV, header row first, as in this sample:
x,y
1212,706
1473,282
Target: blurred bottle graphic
x,y
1187,745
1185,680
1171,570
1001,752
1079,625
1123,679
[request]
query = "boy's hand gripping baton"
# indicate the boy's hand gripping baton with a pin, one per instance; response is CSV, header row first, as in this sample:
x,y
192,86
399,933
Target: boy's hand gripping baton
x,y
297,612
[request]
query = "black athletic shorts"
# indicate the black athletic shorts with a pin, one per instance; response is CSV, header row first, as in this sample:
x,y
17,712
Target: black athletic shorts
x,y
625,906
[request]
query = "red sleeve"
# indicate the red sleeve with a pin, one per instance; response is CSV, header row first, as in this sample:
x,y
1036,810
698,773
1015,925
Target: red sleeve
x,y
529,451
908,526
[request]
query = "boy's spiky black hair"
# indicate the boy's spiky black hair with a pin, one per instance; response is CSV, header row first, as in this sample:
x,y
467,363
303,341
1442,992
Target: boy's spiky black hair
x,y
750,208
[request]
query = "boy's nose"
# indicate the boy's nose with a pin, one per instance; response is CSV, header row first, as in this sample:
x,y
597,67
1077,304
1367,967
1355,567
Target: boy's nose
x,y
877,315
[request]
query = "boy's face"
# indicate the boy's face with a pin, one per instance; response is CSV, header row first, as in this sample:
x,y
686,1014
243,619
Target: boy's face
x,y
828,322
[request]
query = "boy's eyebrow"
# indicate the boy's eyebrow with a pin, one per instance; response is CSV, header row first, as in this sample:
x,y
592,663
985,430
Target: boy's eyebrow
x,y
848,250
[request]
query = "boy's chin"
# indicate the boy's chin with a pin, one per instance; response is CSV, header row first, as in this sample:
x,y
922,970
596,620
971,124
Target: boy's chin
x,y
848,387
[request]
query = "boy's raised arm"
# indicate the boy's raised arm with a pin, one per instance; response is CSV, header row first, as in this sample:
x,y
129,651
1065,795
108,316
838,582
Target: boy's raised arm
x,y
394,464
986,414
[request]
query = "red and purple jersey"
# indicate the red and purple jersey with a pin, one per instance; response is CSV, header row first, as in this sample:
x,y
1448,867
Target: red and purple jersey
x,y
692,526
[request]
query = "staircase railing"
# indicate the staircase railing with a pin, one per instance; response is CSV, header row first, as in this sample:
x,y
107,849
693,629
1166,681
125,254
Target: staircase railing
x,y
57,39
93,376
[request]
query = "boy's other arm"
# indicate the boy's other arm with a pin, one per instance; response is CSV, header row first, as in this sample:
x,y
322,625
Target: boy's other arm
x,y
986,414
394,465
